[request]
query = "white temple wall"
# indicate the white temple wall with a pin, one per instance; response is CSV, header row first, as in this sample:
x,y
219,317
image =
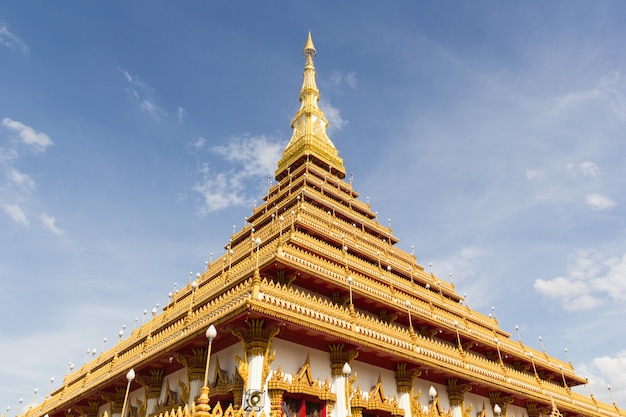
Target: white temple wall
x,y
367,378
291,356
172,380
227,360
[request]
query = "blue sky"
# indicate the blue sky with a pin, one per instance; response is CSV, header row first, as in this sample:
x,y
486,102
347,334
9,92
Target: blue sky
x,y
134,135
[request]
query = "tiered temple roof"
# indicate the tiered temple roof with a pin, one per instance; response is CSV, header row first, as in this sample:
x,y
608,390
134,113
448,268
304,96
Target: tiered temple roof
x,y
314,267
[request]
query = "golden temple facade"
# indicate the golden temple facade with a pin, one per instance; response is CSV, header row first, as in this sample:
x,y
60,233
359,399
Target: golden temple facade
x,y
312,311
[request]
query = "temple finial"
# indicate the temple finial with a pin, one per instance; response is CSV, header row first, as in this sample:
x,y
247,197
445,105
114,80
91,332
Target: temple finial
x,y
309,48
309,140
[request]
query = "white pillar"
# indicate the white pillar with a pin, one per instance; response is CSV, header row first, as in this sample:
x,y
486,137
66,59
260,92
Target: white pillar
x,y
255,383
151,404
194,389
255,372
404,402
338,386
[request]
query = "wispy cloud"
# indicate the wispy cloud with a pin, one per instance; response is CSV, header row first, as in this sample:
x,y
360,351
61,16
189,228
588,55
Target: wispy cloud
x,y
249,157
29,136
335,121
531,174
152,109
21,180
19,184
587,169
50,223
180,114
463,266
592,279
11,40
605,93
10,153
199,143
16,214
141,93
604,369
599,202
339,78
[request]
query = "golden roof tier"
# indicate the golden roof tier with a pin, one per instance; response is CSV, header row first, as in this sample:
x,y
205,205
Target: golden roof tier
x,y
310,302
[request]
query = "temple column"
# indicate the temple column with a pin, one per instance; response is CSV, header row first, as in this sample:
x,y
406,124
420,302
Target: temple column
x,y
404,386
502,402
255,365
117,401
532,409
340,382
456,396
195,365
153,390
92,409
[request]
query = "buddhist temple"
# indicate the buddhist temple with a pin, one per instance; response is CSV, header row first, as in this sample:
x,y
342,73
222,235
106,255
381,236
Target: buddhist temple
x,y
313,311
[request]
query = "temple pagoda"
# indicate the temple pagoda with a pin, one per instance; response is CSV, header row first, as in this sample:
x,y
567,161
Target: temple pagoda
x,y
312,311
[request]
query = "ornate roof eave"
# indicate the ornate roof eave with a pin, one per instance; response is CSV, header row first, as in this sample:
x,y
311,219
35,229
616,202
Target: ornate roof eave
x,y
309,311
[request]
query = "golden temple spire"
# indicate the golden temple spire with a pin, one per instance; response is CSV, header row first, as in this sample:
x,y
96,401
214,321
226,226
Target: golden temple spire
x,y
309,141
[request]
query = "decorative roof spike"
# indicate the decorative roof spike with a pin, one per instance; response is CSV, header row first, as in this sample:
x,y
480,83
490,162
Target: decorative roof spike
x,y
309,141
309,48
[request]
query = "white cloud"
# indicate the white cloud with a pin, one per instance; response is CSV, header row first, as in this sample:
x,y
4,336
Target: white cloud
x,y
50,223
561,287
29,136
219,191
351,79
607,371
338,78
531,174
11,40
465,269
16,214
614,282
587,169
199,142
599,202
335,121
604,93
140,92
590,169
257,155
152,109
20,179
593,278
180,114
252,157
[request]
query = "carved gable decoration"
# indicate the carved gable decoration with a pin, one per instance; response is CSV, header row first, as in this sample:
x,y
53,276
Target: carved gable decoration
x,y
303,381
304,374
377,400
220,377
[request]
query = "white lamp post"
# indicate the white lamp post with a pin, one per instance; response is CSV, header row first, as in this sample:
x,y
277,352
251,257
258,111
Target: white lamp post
x,y
347,370
129,376
211,333
432,392
257,242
